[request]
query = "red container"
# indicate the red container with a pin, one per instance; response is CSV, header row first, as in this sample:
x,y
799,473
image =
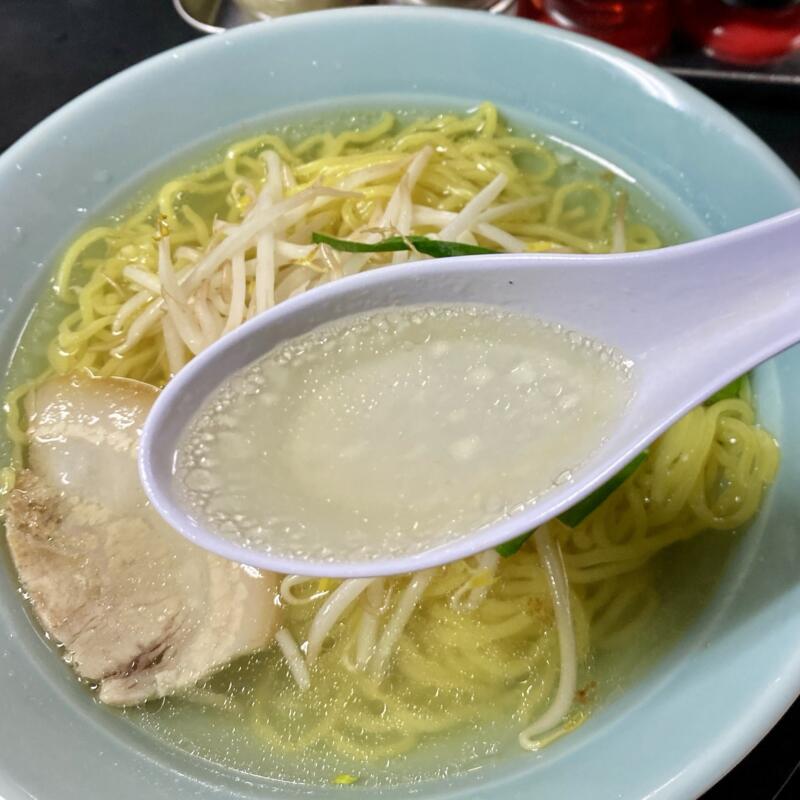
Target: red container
x,y
641,26
742,32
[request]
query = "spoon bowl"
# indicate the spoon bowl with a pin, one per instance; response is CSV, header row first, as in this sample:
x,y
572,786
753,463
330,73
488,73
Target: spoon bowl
x,y
691,317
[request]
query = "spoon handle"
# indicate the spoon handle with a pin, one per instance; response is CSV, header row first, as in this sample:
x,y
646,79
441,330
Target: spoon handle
x,y
720,306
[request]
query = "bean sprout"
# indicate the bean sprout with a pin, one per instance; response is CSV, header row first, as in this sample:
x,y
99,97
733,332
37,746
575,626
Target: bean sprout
x,y
552,563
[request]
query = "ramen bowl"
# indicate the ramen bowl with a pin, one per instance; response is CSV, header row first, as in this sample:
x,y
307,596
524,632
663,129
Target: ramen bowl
x,y
679,724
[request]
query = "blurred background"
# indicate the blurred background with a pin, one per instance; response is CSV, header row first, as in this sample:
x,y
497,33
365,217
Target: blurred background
x,y
743,53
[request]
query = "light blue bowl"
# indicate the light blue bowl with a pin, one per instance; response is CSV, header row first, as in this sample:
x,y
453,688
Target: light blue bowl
x,y
700,708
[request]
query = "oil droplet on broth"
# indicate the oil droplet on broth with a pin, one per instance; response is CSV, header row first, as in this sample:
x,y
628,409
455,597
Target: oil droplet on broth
x,y
390,432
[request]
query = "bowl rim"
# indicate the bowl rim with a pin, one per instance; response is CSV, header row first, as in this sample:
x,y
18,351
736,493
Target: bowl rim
x,y
776,696
211,42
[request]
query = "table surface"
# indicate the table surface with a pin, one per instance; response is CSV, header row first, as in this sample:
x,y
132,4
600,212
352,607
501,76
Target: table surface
x,y
52,51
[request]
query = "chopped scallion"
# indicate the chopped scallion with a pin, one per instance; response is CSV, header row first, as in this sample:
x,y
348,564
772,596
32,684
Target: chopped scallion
x,y
732,390
422,244
573,517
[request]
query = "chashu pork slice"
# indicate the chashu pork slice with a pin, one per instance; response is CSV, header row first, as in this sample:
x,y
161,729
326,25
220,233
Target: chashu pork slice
x,y
139,609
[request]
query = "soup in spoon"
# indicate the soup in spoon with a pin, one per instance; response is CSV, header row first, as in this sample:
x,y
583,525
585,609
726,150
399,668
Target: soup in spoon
x,y
394,431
